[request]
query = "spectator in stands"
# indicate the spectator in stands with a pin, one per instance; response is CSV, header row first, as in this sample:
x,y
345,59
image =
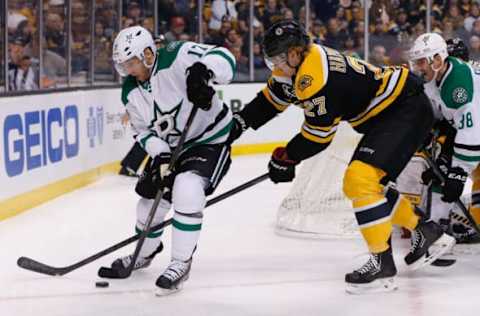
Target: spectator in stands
x,y
242,64
220,10
21,74
476,28
335,37
55,33
472,15
350,48
325,9
288,14
233,39
57,7
177,28
302,15
218,38
243,17
134,12
318,32
381,37
54,69
271,13
341,18
401,27
149,24
80,37
474,51
379,56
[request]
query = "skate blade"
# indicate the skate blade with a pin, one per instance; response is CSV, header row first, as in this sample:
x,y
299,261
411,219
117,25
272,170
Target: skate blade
x,y
443,245
377,286
165,292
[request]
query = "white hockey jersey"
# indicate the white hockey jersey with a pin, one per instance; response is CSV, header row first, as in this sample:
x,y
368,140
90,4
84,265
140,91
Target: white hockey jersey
x,y
159,109
457,99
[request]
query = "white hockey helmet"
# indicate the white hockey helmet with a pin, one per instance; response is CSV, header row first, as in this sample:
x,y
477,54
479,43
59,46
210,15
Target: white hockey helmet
x,y
129,43
427,46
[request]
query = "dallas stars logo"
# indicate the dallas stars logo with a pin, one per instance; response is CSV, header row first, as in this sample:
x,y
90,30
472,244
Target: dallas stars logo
x,y
129,38
164,123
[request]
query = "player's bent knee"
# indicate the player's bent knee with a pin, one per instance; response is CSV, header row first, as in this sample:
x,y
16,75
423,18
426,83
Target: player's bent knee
x,y
143,209
189,192
362,179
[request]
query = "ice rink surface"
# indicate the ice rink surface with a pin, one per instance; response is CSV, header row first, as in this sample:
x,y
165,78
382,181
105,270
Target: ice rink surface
x,y
241,267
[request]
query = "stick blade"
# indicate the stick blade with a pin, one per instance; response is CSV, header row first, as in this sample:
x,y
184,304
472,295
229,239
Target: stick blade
x,y
35,266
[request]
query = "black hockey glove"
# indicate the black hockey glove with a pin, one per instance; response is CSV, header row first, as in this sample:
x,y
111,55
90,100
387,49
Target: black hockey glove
x,y
280,167
238,127
198,90
428,175
161,177
454,183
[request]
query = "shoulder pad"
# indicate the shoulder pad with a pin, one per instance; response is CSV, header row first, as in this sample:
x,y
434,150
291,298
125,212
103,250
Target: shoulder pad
x,y
312,75
457,87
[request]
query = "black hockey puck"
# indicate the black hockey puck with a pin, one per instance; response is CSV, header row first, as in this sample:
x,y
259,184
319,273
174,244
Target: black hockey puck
x,y
102,284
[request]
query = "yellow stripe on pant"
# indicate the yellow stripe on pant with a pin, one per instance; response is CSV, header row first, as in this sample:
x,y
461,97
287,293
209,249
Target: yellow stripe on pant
x,y
373,210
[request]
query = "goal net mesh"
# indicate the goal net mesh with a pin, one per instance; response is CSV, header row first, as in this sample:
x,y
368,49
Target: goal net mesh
x,y
316,206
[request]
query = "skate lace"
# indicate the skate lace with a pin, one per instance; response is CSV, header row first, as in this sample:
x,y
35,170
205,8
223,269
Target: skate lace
x,y
372,264
416,240
176,270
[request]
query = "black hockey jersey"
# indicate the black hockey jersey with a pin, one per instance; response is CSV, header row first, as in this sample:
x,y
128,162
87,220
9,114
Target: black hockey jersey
x,y
329,87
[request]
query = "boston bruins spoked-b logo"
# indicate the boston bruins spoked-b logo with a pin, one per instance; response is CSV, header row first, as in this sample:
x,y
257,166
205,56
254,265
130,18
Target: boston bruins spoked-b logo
x,y
304,82
165,122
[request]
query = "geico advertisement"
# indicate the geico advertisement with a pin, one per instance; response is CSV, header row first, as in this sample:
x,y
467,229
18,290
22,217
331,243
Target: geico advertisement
x,y
51,137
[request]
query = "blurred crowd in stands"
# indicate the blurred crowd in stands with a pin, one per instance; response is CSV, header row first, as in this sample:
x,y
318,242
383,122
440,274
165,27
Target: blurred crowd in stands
x,y
340,24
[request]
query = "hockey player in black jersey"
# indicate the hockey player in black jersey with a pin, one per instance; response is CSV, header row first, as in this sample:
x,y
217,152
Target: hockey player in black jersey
x,y
385,104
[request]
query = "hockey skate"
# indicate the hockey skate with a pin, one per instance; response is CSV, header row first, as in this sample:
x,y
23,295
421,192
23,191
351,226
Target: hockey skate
x,y
377,275
428,243
465,234
119,267
172,279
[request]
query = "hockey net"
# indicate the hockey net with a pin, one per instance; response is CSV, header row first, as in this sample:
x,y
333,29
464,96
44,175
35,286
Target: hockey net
x,y
316,206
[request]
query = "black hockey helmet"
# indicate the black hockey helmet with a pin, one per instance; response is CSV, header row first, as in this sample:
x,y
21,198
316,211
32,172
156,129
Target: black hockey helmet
x,y
457,48
283,35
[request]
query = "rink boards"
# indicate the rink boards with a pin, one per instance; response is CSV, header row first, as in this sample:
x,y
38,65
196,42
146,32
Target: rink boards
x,y
54,143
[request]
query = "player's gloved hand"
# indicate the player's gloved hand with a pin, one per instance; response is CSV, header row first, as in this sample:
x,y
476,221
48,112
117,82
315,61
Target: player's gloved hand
x,y
281,168
161,176
428,175
454,183
198,90
238,127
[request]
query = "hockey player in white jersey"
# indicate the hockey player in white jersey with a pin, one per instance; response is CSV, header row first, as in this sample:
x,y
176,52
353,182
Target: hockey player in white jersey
x,y
452,86
178,79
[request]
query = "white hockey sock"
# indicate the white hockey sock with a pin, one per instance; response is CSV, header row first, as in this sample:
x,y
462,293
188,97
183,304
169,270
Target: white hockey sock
x,y
185,234
154,238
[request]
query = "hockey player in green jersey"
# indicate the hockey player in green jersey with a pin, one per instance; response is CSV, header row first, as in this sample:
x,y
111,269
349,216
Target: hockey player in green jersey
x,y
160,90
452,86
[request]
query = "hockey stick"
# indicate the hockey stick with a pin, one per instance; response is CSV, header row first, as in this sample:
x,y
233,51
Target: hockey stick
x,y
439,262
438,173
158,197
35,266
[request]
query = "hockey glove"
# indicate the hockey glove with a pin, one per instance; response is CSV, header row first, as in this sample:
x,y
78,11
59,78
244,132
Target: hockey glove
x,y
428,175
161,176
238,127
454,183
280,167
198,90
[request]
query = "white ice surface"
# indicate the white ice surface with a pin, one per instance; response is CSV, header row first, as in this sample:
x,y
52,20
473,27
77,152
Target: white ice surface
x,y
241,267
